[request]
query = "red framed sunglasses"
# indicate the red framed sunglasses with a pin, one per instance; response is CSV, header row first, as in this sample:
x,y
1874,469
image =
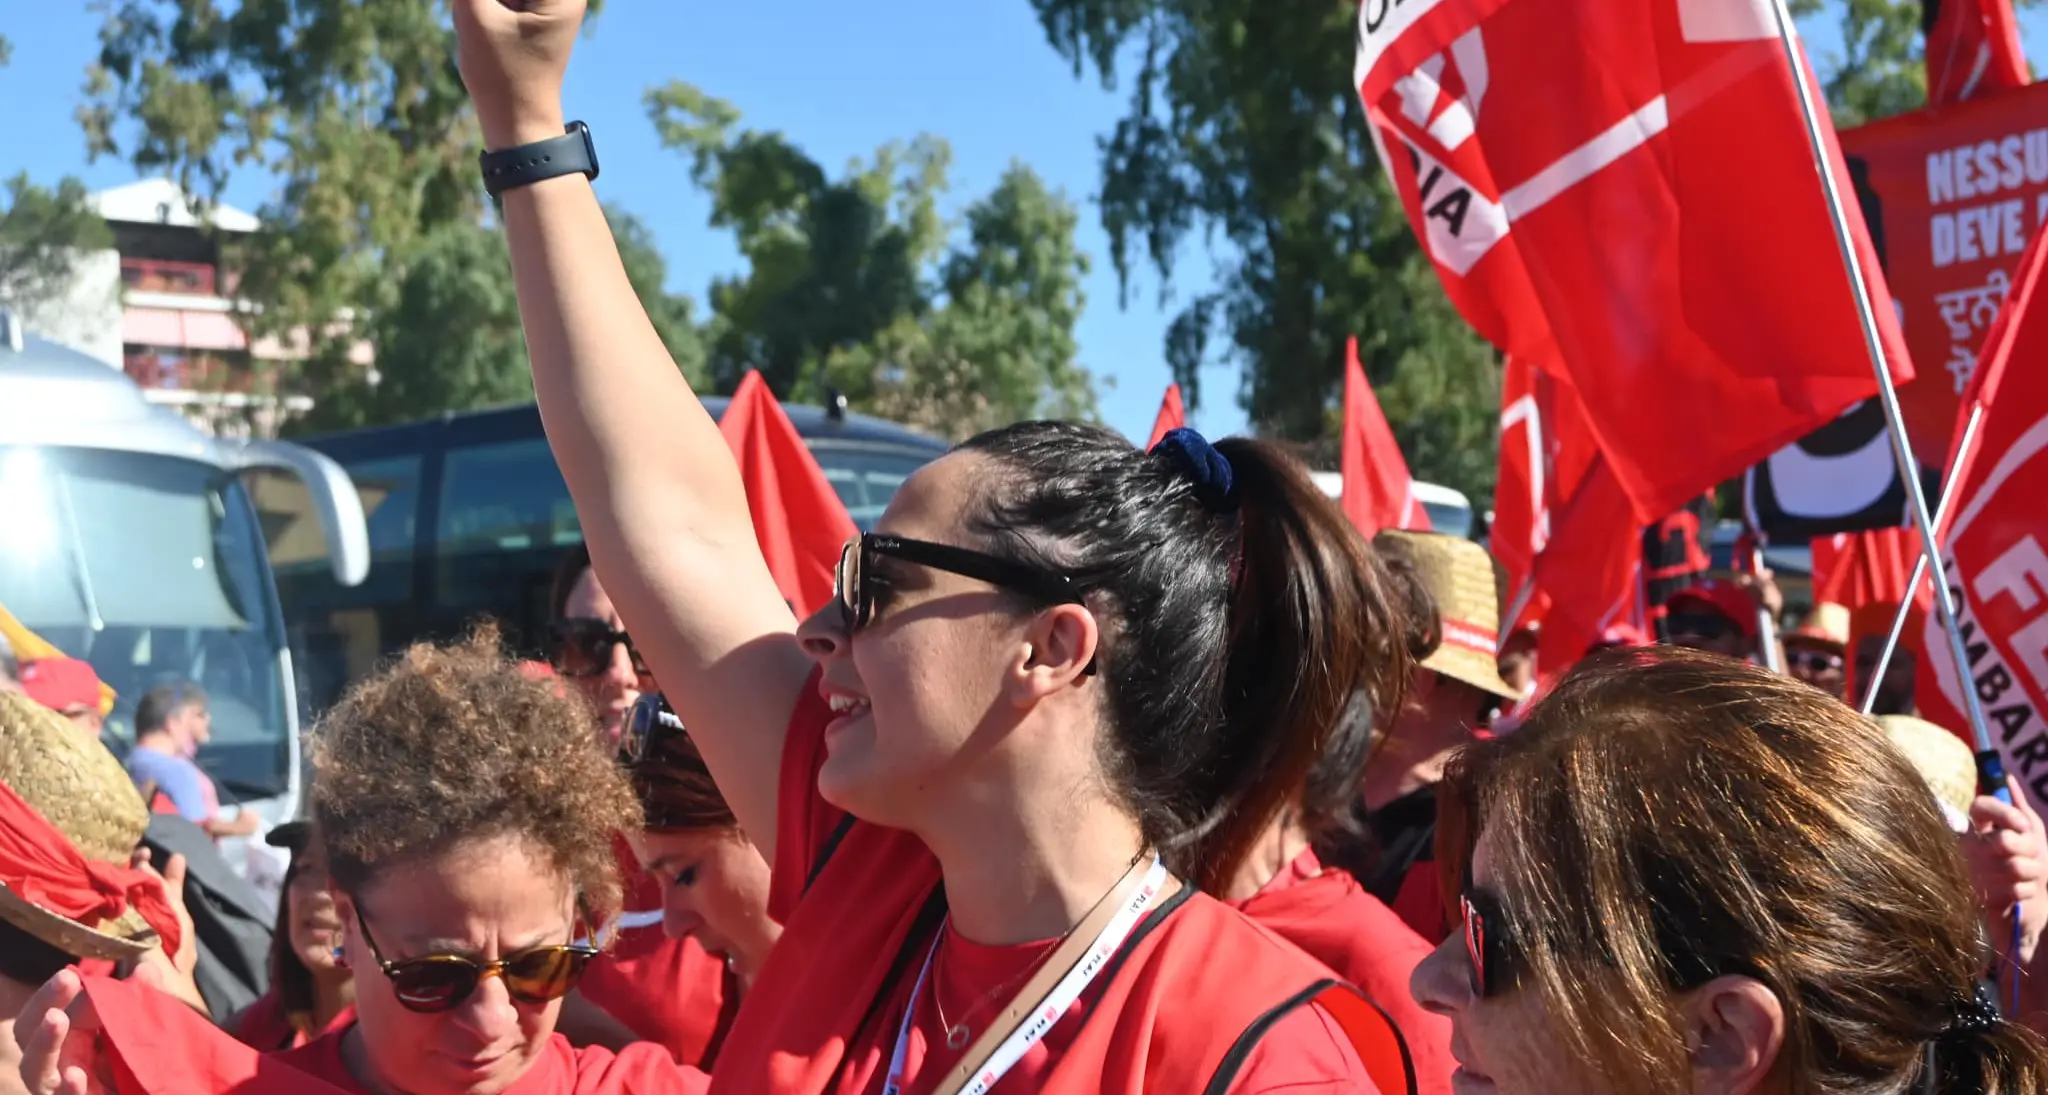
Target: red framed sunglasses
x,y
1487,941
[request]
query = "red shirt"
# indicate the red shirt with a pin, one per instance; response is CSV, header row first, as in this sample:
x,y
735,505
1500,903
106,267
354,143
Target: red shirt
x,y
1325,912
265,1026
823,1015
560,1069
668,991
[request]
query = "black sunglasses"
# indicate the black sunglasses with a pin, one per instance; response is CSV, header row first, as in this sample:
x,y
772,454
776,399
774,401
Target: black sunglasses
x,y
855,582
1486,941
648,723
437,982
582,647
1814,661
1707,626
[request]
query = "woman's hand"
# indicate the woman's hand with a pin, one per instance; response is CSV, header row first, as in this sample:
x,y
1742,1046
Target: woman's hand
x,y
513,54
58,1033
2007,850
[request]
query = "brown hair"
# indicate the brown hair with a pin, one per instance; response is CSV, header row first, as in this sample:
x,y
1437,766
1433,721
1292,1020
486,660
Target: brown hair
x,y
1665,817
453,743
675,787
1239,621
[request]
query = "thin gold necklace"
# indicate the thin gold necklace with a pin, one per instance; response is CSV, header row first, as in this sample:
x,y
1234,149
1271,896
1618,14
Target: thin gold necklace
x,y
958,1033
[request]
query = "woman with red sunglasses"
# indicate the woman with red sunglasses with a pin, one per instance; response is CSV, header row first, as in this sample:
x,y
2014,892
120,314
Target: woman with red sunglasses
x,y
1685,874
1062,676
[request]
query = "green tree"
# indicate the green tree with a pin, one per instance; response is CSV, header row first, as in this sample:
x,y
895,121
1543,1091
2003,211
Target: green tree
x,y
41,232
356,110
855,282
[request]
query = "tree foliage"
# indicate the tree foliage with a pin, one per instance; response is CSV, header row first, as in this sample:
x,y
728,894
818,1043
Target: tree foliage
x,y
379,228
41,230
857,282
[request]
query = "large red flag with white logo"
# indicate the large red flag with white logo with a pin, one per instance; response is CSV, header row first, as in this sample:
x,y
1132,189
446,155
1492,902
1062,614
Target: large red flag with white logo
x,y
1378,491
799,519
1973,47
1626,193
1996,543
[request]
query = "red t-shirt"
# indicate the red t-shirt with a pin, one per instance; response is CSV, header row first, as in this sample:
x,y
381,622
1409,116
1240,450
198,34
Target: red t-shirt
x,y
668,991
1325,912
824,1013
561,1069
265,1026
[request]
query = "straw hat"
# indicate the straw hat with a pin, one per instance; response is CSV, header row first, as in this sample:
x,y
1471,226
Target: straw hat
x,y
1941,758
1826,628
1460,575
83,791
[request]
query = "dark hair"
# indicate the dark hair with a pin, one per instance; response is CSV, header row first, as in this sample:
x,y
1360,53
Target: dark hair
x,y
1665,817
676,790
158,705
27,960
454,743
1234,637
289,977
569,570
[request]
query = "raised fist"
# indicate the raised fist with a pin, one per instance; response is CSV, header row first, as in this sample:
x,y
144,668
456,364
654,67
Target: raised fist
x,y
513,54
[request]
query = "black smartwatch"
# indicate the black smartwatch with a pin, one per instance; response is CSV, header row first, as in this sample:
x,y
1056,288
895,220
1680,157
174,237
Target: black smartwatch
x,y
572,153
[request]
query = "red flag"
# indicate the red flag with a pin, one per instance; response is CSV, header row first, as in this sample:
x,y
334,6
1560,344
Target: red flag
x,y
1625,193
1378,491
798,517
1973,47
1853,569
1994,545
1172,415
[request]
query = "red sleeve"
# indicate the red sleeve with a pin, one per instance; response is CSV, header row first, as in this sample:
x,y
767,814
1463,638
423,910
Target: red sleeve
x,y
641,1067
804,821
161,1047
1305,1053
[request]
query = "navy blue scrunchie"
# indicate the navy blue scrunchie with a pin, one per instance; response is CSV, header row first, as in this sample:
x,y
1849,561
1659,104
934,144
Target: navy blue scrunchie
x,y
1215,484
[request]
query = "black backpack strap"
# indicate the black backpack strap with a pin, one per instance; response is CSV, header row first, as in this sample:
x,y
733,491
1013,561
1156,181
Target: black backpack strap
x,y
1241,1050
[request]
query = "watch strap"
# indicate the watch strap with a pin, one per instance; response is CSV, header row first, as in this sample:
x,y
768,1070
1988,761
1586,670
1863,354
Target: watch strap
x,y
572,153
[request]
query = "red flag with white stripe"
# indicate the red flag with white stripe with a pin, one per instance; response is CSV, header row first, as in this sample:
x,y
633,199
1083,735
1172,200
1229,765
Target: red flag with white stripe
x,y
1378,491
1626,194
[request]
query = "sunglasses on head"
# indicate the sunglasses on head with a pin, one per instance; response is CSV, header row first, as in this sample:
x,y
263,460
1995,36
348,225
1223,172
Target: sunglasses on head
x,y
855,584
648,723
583,647
437,982
1487,942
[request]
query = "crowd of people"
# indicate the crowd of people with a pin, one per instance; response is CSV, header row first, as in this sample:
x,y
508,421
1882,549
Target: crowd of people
x,y
1103,770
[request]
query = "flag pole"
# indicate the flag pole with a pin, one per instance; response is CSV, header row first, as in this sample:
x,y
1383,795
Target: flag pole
x,y
1941,509
1887,393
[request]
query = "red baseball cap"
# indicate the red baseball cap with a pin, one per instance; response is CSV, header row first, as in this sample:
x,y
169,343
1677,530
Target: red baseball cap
x,y
61,684
1719,596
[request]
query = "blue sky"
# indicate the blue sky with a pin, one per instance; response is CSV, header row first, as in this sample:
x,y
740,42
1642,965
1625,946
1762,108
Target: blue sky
x,y
838,78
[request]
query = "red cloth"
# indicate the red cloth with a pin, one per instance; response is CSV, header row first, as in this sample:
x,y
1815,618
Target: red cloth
x,y
1378,491
1994,545
61,684
1172,416
1853,569
799,519
264,1025
1325,912
1973,47
1732,602
159,1046
560,1069
41,865
823,1015
668,991
1584,175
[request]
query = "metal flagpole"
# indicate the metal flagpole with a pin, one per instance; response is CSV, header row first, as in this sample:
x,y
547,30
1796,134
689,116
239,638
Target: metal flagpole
x,y
1887,393
1941,510
1991,779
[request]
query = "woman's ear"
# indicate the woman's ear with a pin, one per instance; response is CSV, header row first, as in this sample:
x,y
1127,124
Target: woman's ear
x,y
1735,1029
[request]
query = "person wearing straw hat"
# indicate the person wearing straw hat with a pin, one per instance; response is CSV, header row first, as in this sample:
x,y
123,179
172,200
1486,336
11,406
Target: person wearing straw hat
x,y
1816,650
1452,696
71,885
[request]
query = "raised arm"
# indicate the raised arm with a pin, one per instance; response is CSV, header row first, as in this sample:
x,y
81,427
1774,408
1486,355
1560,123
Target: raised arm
x,y
654,483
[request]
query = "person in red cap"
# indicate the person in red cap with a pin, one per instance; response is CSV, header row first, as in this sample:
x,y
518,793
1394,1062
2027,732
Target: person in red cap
x,y
1717,616
67,686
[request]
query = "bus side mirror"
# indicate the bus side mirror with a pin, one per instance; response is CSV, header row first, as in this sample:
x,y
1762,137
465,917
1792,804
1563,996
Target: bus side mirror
x,y
333,496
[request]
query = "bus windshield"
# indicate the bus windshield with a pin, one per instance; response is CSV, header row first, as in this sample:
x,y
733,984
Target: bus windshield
x,y
153,569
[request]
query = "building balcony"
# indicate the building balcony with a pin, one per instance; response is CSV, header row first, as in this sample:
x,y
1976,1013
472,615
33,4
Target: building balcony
x,y
165,276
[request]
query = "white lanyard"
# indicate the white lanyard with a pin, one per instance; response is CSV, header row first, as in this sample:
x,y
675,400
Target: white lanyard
x,y
1045,1013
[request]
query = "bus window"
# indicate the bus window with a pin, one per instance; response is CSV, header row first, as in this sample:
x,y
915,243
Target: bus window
x,y
505,515
866,478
